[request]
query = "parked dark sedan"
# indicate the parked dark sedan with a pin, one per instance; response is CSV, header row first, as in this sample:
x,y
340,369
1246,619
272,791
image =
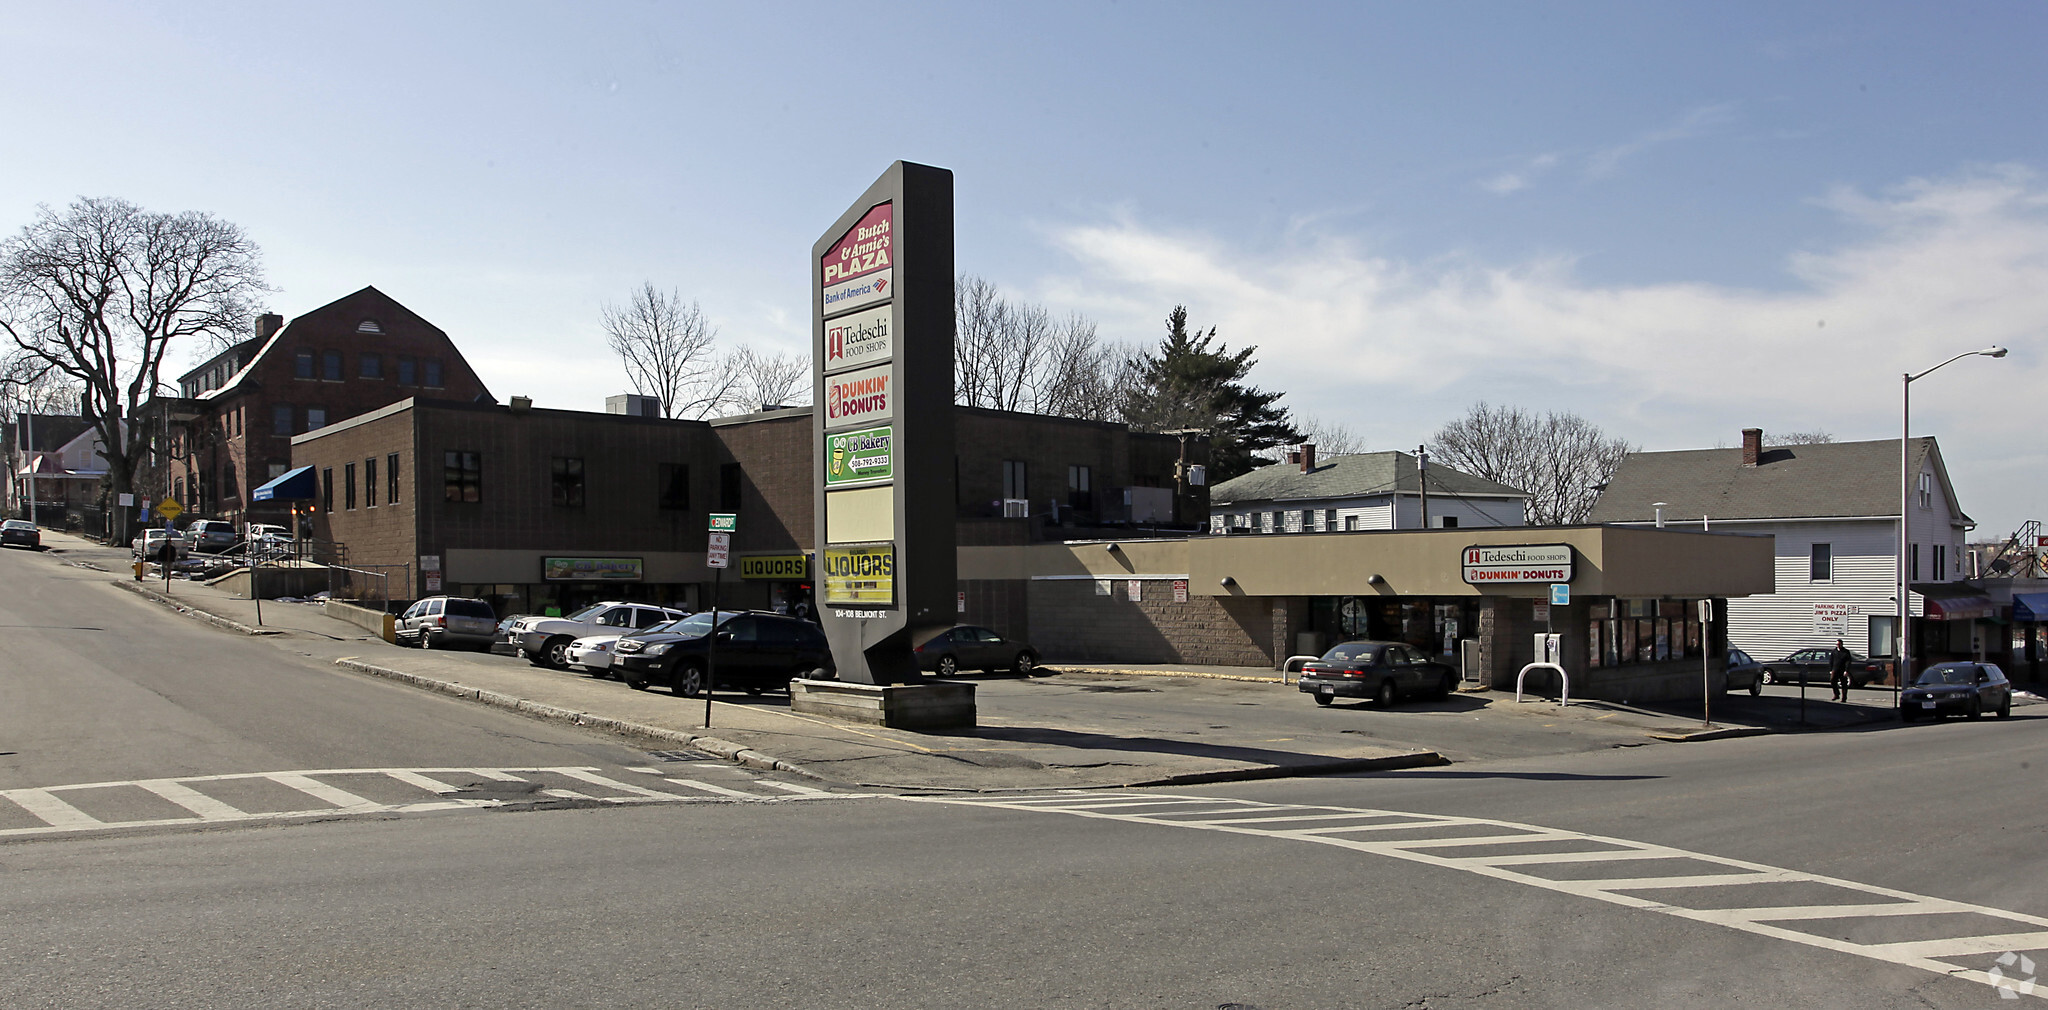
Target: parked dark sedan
x,y
1382,671
756,651
1744,673
1811,666
971,648
21,533
1969,689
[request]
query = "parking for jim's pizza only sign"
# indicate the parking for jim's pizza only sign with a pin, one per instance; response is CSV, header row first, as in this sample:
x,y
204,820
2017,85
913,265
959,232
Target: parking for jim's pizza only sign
x,y
1518,563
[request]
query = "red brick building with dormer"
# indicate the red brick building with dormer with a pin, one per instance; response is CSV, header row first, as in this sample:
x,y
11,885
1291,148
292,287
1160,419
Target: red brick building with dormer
x,y
231,427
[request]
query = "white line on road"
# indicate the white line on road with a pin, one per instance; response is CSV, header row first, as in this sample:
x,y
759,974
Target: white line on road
x,y
1271,819
53,811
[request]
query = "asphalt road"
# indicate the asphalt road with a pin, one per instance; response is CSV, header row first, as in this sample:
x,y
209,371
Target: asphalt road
x,y
1334,892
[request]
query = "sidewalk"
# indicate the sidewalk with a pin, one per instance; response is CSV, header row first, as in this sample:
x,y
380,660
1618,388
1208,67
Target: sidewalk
x,y
1080,748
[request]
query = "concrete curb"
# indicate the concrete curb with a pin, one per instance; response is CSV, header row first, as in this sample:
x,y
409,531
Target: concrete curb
x,y
708,744
194,612
1723,733
1122,672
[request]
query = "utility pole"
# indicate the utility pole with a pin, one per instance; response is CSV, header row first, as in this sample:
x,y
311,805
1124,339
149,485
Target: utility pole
x,y
1422,481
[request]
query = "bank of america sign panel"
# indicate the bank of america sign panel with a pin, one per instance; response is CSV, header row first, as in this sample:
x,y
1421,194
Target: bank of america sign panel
x,y
1518,563
859,271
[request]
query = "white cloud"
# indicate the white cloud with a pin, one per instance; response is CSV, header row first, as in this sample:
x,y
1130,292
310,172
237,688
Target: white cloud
x,y
1515,181
1395,348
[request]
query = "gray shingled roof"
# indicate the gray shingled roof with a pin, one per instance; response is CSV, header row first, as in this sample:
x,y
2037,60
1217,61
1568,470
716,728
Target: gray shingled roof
x,y
1364,473
1789,481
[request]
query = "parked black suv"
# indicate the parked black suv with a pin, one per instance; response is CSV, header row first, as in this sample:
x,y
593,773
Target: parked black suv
x,y
756,651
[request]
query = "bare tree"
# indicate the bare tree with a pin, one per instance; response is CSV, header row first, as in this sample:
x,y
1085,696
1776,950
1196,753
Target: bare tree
x,y
1331,438
1017,356
768,379
98,292
1561,459
666,348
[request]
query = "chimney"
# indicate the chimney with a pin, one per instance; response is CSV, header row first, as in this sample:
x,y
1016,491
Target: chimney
x,y
268,324
1752,445
1294,456
1308,457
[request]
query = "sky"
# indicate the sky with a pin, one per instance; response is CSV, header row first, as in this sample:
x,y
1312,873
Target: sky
x,y
1675,220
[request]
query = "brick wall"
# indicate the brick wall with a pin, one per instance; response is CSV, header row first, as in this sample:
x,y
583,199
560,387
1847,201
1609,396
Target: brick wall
x,y
774,454
380,536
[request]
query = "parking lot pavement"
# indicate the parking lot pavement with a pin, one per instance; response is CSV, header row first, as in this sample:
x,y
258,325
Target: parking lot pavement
x,y
1074,727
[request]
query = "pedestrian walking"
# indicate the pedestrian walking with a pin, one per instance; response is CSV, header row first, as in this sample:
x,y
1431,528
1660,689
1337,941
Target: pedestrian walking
x,y
1838,671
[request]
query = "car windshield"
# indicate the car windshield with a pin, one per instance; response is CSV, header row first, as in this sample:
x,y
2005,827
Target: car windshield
x,y
584,612
1363,653
1947,675
696,625
18,524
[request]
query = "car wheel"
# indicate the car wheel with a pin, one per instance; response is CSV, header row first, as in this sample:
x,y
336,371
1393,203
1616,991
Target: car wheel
x,y
820,674
948,666
688,680
634,681
1323,699
1025,664
2005,708
426,640
1448,687
754,690
555,653
1756,686
1906,715
1386,695
1976,709
1767,676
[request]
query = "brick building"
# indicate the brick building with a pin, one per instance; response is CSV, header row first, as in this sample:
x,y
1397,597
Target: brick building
x,y
230,428
539,509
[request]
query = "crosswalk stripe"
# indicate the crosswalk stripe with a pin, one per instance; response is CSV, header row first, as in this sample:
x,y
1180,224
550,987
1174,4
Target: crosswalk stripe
x,y
53,811
791,787
341,798
709,788
430,784
1277,820
584,775
192,799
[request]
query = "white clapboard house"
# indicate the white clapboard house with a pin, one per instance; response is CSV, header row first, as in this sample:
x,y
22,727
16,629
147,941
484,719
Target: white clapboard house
x,y
1360,491
1834,509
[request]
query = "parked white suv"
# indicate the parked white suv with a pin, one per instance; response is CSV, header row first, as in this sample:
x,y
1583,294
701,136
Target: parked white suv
x,y
544,641
150,542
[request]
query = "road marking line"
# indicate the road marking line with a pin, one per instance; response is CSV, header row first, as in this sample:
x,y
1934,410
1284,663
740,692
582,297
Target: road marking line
x,y
794,788
1429,823
1539,858
413,778
1922,954
341,798
709,788
566,794
583,775
496,776
53,811
202,805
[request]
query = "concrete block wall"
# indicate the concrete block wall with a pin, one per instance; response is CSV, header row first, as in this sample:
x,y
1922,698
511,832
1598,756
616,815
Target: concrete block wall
x,y
1070,623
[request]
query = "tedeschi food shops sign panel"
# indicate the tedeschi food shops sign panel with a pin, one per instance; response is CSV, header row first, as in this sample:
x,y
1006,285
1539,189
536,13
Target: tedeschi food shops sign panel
x,y
882,435
1518,563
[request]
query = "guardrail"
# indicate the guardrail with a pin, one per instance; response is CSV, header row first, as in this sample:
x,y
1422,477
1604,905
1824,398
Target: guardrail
x,y
1563,701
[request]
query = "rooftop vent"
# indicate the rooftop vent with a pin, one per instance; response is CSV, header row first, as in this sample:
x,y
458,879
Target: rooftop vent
x,y
369,326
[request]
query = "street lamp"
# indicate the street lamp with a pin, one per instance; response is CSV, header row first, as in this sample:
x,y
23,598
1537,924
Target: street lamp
x,y
1904,664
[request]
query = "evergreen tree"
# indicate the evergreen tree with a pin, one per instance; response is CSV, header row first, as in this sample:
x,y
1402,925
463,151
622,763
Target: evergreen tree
x,y
1187,384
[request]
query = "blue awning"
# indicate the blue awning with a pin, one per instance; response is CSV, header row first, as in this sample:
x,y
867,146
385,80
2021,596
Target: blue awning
x,y
2030,606
292,485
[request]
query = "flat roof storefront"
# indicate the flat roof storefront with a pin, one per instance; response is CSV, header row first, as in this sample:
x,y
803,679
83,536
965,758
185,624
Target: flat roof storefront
x,y
1629,626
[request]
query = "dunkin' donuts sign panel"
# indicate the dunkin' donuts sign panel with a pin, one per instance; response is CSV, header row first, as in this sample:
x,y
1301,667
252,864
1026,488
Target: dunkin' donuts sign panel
x,y
859,270
860,397
859,339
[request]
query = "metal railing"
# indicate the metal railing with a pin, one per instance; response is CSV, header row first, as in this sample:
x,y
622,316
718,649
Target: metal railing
x,y
366,584
1566,678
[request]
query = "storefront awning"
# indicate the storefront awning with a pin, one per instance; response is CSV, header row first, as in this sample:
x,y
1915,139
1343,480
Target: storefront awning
x,y
2030,606
291,485
1961,608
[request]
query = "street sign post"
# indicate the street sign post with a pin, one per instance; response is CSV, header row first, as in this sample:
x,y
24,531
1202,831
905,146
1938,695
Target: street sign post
x,y
717,555
1707,663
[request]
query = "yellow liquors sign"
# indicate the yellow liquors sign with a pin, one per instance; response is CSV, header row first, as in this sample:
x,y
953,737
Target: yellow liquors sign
x,y
859,576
